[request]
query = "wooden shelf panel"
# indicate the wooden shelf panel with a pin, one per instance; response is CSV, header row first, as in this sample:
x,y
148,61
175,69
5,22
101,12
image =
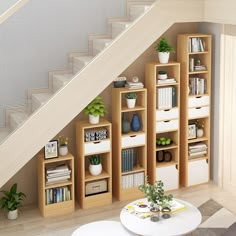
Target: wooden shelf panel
x,y
195,140
59,184
166,147
135,170
172,130
164,164
198,72
136,108
167,84
195,53
198,158
56,159
89,177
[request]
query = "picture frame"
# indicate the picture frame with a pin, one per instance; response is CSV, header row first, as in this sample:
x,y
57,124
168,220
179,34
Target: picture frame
x,y
51,150
192,131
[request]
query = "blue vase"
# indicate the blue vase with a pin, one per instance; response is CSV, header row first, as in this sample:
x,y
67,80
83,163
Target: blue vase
x,y
135,123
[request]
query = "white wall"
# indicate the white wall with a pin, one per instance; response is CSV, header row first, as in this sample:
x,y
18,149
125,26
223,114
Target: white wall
x,y
6,4
38,37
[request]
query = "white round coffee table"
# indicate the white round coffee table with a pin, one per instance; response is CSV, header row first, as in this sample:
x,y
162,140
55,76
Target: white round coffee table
x,y
180,223
102,228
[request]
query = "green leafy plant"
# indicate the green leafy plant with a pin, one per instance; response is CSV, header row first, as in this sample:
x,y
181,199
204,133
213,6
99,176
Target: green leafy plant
x,y
162,72
163,46
131,95
95,108
95,159
11,200
62,141
155,194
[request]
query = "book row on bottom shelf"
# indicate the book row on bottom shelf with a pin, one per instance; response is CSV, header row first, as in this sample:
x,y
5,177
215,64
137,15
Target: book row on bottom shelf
x,y
132,180
55,195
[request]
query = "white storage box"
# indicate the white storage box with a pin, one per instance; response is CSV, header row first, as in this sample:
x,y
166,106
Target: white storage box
x,y
133,140
167,114
169,175
198,101
198,112
163,126
198,172
97,146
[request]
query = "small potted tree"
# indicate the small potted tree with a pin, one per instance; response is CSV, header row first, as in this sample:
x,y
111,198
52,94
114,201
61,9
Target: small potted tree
x,y
163,49
63,148
131,99
11,201
95,166
95,109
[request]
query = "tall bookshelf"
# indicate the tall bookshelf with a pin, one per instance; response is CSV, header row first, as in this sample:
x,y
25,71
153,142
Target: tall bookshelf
x,y
163,122
92,191
194,54
129,149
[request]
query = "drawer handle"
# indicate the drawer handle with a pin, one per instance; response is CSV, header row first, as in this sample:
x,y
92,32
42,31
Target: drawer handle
x,y
198,108
96,187
133,136
167,110
199,97
97,142
166,121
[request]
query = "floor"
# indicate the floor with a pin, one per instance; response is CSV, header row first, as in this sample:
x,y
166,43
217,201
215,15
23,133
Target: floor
x,y
31,223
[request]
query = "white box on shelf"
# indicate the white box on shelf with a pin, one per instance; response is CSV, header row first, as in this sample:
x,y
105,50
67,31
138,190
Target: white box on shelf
x,y
198,112
167,114
169,175
163,126
97,146
198,172
198,101
133,140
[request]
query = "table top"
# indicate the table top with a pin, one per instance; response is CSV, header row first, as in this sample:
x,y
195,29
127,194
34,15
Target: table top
x,y
181,222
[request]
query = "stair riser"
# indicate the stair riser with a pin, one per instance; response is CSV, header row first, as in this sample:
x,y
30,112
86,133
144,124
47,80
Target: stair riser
x,y
118,28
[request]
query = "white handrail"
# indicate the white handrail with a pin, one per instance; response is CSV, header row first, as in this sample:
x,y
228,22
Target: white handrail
x,y
12,10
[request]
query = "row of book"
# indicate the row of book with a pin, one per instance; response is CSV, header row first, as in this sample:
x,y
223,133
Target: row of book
x,y
166,97
196,44
95,134
132,180
59,173
197,86
128,157
197,150
134,85
55,195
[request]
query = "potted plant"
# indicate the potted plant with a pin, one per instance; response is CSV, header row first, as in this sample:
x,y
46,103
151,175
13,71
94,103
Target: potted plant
x,y
162,74
131,99
11,201
163,49
155,195
95,166
63,148
95,109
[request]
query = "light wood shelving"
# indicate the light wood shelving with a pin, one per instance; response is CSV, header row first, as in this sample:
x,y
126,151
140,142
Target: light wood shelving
x,y
163,122
59,208
84,150
126,182
195,105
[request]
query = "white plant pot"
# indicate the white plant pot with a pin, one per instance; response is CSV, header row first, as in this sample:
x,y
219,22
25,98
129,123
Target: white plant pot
x,y
12,215
130,103
93,119
95,169
63,150
163,57
162,76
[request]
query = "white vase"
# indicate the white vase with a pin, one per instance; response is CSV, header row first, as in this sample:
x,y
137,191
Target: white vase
x,y
95,169
163,57
63,150
162,76
93,119
200,132
130,103
12,215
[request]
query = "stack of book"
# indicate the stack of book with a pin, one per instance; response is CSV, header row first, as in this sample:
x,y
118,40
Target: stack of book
x,y
55,195
166,97
197,86
197,150
58,173
199,67
134,85
166,81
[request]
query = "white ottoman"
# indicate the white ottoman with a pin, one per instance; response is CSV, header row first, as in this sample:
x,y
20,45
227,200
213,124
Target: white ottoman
x,y
102,228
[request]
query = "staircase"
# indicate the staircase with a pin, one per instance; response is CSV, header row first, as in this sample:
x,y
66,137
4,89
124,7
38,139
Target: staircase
x,y
49,110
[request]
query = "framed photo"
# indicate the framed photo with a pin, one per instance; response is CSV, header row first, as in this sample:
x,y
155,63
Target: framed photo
x,y
192,131
51,149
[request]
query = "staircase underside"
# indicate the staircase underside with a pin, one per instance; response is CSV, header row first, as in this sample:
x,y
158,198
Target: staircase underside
x,y
68,102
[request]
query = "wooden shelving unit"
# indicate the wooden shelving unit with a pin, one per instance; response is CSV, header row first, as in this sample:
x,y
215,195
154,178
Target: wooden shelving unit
x,y
195,105
163,122
84,150
59,208
126,182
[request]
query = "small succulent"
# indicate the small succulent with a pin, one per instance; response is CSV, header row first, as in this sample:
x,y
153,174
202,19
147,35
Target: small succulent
x,y
95,159
131,95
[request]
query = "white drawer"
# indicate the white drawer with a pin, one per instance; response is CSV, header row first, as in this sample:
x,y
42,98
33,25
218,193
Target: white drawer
x,y
198,172
133,140
97,146
198,101
162,126
169,175
167,114
198,112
